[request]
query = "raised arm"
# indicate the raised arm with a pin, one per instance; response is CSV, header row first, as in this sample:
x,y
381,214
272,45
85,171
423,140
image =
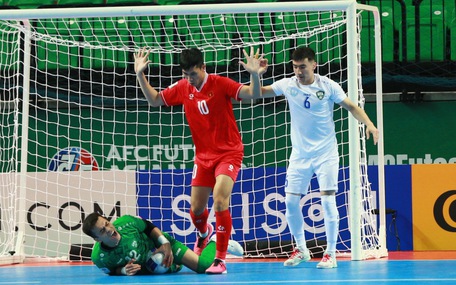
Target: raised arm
x,y
256,65
141,63
361,116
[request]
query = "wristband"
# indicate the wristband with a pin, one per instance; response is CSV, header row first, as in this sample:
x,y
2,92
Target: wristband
x,y
123,271
162,240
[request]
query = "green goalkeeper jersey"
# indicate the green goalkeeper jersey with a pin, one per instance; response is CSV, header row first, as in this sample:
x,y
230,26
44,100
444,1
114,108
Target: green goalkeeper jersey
x,y
134,244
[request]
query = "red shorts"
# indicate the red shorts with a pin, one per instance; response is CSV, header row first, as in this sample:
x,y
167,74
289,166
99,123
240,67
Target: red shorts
x,y
205,172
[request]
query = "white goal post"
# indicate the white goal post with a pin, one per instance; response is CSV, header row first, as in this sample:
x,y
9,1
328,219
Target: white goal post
x,y
78,136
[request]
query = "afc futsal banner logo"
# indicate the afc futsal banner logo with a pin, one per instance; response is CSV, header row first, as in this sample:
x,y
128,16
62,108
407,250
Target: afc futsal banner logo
x,y
445,211
73,159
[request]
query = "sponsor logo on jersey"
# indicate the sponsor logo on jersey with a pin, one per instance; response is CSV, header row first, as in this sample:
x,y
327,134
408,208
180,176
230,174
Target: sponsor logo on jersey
x,y
73,159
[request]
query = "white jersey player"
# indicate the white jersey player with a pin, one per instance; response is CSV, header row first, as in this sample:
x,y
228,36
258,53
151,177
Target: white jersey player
x,y
311,99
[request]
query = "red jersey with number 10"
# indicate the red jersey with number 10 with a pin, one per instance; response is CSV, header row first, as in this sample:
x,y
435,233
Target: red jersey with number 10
x,y
209,114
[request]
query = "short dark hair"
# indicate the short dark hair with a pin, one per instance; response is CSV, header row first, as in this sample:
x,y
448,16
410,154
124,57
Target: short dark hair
x,y
191,57
89,224
302,53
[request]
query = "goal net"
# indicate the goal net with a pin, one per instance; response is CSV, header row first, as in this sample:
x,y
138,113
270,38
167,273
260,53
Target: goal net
x,y
78,136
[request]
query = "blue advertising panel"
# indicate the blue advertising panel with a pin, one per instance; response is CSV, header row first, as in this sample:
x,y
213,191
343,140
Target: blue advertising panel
x,y
257,205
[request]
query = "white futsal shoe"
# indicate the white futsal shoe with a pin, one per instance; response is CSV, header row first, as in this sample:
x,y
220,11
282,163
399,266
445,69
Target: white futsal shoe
x,y
328,261
297,257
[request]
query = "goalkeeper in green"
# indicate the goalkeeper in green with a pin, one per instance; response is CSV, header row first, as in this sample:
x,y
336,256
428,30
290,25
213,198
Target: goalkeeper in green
x,y
124,247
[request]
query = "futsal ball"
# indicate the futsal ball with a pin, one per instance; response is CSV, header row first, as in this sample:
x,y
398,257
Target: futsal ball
x,y
154,263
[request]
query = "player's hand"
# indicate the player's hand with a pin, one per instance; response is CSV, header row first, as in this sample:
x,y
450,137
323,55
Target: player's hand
x,y
166,250
372,130
141,60
256,63
131,268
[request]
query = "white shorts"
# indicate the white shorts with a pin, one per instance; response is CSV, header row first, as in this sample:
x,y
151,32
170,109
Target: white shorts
x,y
301,170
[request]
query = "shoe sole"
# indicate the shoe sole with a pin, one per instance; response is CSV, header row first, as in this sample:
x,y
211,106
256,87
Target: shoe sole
x,y
213,273
326,267
296,264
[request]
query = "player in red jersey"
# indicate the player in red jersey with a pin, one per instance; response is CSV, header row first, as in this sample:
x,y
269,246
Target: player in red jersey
x,y
219,149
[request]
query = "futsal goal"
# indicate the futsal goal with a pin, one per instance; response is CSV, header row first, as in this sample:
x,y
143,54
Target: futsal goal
x,y
78,136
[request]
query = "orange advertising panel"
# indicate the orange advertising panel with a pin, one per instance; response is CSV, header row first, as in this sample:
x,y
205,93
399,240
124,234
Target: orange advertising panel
x,y
434,206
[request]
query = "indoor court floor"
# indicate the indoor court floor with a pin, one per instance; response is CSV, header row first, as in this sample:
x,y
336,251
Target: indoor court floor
x,y
398,268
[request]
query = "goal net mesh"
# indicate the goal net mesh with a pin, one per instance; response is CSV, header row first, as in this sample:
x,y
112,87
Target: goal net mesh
x,y
94,144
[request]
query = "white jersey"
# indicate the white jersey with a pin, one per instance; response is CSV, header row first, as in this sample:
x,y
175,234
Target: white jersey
x,y
311,110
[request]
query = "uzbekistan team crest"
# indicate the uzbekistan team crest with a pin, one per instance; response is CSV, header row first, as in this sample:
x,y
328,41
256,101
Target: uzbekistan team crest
x,y
320,94
73,159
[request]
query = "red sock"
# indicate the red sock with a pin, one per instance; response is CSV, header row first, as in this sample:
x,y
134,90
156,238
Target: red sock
x,y
223,224
200,221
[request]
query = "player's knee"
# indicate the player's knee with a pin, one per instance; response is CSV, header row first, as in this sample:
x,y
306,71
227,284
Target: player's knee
x,y
328,202
221,204
196,210
292,202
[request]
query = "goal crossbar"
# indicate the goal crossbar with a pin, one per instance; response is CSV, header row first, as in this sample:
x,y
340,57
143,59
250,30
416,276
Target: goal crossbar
x,y
176,10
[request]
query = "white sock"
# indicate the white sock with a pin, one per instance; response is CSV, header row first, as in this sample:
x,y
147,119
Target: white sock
x,y
204,235
295,220
331,218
